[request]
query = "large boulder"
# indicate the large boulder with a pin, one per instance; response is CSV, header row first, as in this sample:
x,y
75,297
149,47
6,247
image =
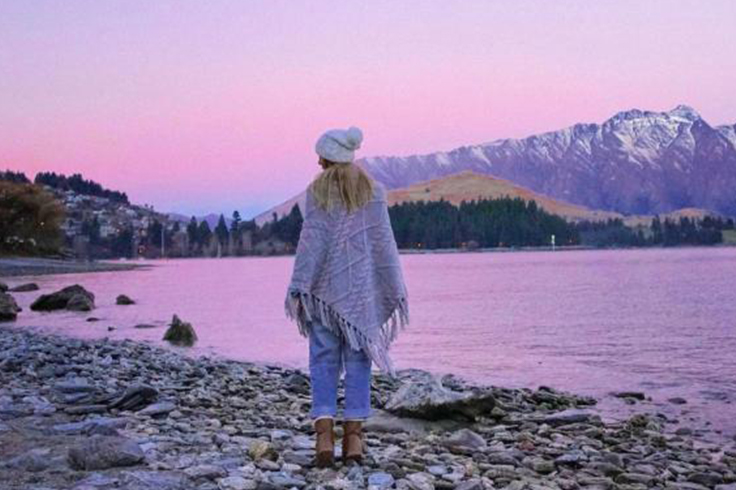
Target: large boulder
x,y
8,308
428,399
3,287
180,333
71,297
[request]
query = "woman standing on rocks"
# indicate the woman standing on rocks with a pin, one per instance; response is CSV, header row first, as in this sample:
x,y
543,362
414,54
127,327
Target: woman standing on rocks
x,y
347,292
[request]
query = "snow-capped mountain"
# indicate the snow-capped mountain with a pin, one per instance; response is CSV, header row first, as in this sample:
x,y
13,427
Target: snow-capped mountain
x,y
637,162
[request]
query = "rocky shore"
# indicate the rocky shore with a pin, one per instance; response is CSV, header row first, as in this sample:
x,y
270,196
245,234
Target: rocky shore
x,y
101,415
24,266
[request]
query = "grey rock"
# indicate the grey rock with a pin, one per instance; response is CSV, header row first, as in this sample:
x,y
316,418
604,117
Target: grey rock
x,y
709,479
298,383
286,480
206,471
677,400
380,480
465,439
154,480
429,399
437,469
34,460
8,308
572,416
145,325
80,302
301,457
633,478
236,483
134,398
24,288
59,300
74,385
573,459
122,299
382,421
636,395
157,409
180,333
471,484
103,452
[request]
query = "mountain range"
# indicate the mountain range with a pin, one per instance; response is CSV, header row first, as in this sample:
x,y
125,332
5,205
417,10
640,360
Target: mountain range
x,y
636,162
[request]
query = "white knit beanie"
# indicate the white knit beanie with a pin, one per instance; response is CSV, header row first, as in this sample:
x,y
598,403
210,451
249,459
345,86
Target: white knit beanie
x,y
339,145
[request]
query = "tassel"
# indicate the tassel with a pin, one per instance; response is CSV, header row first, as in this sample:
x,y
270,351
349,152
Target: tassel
x,y
315,309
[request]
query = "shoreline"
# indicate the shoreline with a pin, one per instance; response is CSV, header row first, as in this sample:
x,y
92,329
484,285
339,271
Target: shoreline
x,y
36,266
217,423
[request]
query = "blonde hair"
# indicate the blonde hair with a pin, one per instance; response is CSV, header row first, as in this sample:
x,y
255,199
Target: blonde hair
x,y
343,182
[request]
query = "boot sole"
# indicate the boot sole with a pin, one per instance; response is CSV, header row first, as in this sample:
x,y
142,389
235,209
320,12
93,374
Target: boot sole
x,y
325,459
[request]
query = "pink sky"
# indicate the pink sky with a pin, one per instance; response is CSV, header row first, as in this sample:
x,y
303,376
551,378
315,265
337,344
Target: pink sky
x,y
201,107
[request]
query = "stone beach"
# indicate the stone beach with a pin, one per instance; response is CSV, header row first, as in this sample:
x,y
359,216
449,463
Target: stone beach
x,y
119,414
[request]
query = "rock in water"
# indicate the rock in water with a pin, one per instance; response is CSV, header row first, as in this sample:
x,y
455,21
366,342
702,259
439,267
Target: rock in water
x,y
180,333
3,287
103,452
80,302
8,308
431,401
60,300
124,300
24,288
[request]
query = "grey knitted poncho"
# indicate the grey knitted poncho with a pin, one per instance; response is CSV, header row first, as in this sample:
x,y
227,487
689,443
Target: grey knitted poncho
x,y
347,276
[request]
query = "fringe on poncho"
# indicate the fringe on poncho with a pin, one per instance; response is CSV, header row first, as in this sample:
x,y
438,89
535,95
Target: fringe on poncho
x,y
347,276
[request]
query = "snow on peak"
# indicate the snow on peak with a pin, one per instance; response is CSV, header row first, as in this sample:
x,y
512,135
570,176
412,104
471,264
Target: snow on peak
x,y
684,112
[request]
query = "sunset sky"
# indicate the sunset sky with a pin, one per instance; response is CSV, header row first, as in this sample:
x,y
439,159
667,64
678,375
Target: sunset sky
x,y
211,106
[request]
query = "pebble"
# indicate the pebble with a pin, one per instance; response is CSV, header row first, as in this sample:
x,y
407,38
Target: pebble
x,y
205,424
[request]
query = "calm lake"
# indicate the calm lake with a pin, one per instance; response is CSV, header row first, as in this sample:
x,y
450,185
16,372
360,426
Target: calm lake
x,y
658,321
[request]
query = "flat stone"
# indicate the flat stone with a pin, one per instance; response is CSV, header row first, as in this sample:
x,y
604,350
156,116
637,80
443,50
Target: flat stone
x,y
156,409
380,480
471,484
134,398
709,479
103,452
429,399
571,416
465,439
74,385
286,480
236,483
636,395
24,288
206,471
382,421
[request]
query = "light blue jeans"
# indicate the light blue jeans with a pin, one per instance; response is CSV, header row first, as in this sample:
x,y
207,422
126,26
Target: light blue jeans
x,y
328,354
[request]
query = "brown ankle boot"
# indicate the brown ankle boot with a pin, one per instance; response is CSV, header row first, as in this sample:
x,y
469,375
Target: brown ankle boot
x,y
352,441
325,442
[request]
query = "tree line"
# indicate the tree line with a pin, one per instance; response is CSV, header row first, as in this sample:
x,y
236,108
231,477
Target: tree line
x,y
485,223
80,185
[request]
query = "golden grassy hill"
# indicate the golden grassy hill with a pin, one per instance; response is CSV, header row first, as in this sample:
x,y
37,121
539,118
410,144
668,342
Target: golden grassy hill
x,y
468,185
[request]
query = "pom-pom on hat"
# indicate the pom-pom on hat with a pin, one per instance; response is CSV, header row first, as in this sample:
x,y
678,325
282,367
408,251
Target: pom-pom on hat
x,y
339,145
